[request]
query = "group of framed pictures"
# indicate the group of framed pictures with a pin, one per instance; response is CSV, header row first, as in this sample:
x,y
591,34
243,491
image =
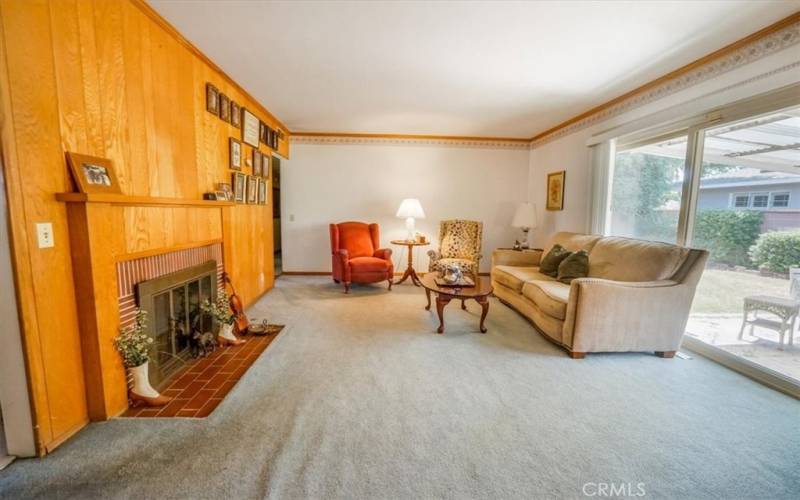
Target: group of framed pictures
x,y
254,131
249,189
259,161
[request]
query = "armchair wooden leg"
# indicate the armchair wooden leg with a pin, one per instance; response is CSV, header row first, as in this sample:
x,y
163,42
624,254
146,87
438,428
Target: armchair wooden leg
x,y
390,283
336,281
346,287
577,355
665,354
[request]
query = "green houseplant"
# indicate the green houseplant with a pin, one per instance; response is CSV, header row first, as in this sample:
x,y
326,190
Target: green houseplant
x,y
134,344
220,310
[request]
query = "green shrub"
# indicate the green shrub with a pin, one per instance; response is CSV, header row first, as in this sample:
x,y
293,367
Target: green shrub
x,y
777,251
727,234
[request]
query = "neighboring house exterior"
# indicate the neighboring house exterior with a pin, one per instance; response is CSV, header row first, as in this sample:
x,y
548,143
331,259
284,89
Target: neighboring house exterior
x,y
777,194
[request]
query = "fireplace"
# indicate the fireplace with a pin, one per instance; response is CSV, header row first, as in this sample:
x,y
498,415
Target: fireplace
x,y
172,303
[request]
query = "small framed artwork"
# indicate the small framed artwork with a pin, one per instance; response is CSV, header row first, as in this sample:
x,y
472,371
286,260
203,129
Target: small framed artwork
x,y
257,162
235,154
250,128
224,108
262,192
273,139
555,190
224,187
236,115
262,132
266,160
239,182
212,99
92,174
252,189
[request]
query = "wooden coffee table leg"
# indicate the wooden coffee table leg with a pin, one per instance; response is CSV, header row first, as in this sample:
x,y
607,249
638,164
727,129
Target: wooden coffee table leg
x,y
484,302
428,295
441,301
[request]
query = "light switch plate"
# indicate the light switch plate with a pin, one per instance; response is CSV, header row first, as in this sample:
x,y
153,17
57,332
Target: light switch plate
x,y
44,231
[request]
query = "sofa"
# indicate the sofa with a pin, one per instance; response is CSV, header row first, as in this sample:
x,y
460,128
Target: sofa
x,y
636,297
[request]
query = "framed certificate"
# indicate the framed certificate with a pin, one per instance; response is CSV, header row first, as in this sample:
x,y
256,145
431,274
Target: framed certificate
x,y
250,128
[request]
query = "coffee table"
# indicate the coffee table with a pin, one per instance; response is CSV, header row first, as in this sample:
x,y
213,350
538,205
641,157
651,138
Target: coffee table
x,y
480,292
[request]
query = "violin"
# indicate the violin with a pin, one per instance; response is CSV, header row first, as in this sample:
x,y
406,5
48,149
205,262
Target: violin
x,y
240,320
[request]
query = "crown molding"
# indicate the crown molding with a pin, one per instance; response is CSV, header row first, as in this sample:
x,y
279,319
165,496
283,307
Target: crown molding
x,y
344,138
774,38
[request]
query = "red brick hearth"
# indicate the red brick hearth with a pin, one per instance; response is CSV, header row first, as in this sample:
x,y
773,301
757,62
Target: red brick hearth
x,y
204,382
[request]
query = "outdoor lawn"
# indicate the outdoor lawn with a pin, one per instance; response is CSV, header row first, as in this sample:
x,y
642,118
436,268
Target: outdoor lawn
x,y
723,292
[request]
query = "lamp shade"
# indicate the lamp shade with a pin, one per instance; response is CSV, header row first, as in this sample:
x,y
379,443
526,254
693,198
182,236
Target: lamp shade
x,y
525,216
410,207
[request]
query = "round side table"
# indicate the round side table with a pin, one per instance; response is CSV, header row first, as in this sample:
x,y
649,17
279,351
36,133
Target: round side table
x,y
410,273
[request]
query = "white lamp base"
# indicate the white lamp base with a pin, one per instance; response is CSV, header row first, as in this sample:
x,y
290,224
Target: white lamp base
x,y
411,236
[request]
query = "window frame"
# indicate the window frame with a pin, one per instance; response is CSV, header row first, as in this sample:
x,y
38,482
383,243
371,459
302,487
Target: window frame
x,y
773,194
732,202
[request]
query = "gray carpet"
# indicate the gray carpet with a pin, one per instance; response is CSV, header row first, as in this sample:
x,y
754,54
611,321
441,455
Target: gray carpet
x,y
359,399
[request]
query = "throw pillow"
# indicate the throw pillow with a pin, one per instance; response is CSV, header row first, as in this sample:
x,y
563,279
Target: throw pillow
x,y
576,265
550,262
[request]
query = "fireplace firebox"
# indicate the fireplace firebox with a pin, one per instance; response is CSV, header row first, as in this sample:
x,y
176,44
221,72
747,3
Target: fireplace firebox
x,y
172,303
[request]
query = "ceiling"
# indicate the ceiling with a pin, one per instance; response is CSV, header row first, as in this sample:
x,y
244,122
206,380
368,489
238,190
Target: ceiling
x,y
493,69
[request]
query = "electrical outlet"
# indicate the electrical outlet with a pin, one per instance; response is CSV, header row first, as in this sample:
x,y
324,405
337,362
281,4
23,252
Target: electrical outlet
x,y
44,231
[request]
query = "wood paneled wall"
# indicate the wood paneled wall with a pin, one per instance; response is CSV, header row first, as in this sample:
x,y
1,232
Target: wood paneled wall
x,y
109,78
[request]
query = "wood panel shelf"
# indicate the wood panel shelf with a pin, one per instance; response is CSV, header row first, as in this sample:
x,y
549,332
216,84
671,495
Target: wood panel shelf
x,y
121,199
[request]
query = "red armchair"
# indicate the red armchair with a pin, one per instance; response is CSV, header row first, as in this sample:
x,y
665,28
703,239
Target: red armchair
x,y
356,256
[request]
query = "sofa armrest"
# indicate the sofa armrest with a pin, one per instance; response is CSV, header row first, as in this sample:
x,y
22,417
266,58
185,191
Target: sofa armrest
x,y
383,253
343,254
524,258
607,316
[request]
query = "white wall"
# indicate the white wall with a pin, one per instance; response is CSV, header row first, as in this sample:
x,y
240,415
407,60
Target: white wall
x,y
570,152
324,183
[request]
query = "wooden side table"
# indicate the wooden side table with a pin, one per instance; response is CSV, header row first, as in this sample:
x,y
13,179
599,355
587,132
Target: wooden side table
x,y
410,273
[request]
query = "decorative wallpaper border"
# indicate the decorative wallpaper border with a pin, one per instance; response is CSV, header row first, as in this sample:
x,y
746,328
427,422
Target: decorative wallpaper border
x,y
482,143
767,45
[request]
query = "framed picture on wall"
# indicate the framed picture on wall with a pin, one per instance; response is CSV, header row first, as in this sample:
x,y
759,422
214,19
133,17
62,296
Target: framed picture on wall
x,y
236,115
212,99
250,128
266,160
93,174
258,162
239,182
224,108
252,189
235,154
262,192
555,190
262,132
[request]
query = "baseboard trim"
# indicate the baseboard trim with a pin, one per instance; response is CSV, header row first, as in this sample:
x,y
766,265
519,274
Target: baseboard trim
x,y
758,373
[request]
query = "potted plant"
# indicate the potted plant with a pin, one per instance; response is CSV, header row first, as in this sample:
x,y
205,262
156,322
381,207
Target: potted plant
x,y
134,345
220,310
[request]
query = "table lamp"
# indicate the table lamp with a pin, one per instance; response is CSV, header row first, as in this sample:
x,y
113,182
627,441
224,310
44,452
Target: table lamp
x,y
410,209
525,218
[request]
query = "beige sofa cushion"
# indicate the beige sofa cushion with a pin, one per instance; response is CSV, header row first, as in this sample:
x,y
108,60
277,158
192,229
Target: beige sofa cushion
x,y
624,259
514,277
550,296
572,241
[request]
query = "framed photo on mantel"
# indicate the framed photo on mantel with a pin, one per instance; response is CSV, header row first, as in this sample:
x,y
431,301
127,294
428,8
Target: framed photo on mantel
x,y
250,128
92,174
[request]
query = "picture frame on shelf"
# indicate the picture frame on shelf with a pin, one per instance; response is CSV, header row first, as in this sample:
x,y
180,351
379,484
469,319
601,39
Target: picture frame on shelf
x,y
239,181
225,188
236,114
224,108
250,128
262,132
252,189
555,190
212,99
235,157
262,192
257,162
93,174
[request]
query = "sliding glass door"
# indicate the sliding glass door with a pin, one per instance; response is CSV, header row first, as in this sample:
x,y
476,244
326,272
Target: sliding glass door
x,y
747,216
730,185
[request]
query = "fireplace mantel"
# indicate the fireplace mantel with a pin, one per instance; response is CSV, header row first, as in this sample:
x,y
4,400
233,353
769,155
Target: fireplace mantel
x,y
125,200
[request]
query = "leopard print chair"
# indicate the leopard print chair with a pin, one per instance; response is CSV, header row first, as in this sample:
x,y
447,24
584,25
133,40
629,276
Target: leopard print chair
x,y
459,243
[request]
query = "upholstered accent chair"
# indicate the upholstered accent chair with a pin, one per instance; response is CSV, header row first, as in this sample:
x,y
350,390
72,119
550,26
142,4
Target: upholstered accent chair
x,y
459,243
356,254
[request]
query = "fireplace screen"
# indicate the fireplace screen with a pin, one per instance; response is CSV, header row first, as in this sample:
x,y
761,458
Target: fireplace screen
x,y
173,310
